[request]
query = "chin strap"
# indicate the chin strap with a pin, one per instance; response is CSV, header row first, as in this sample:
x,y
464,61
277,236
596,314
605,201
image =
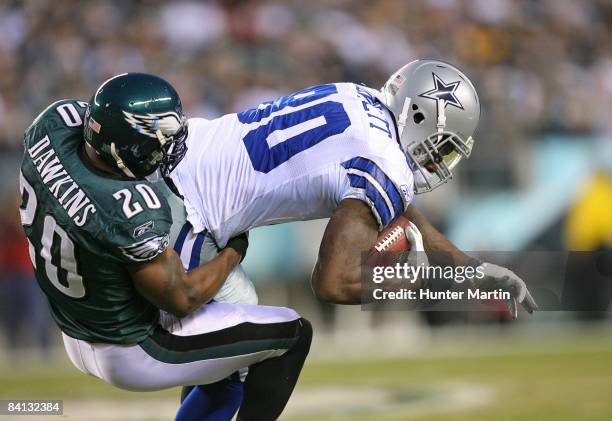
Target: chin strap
x,y
119,161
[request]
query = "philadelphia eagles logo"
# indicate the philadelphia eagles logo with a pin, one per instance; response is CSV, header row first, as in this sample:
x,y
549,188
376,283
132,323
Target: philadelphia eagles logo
x,y
146,249
168,123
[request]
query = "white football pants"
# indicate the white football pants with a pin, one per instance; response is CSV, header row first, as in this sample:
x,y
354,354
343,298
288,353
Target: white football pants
x,y
204,347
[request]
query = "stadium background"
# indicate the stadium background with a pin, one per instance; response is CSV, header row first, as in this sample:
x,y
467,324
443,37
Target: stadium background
x,y
540,178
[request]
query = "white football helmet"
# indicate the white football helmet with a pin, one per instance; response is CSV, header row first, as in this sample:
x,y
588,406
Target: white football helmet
x,y
437,110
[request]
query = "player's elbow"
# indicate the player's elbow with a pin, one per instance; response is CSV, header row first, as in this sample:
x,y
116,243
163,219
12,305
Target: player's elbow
x,y
184,304
336,294
179,309
334,288
179,312
323,292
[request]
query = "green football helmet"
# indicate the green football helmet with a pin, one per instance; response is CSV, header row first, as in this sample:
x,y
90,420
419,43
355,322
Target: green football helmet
x,y
135,122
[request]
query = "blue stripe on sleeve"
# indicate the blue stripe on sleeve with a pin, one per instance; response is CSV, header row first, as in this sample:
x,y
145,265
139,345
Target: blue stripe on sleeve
x,y
374,195
366,165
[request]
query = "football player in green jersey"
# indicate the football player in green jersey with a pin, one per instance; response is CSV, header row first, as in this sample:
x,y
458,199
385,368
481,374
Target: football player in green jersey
x,y
98,237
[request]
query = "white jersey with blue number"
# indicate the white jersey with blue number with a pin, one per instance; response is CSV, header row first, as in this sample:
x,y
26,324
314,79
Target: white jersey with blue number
x,y
294,158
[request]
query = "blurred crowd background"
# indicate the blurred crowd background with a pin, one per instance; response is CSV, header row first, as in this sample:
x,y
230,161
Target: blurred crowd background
x,y
540,173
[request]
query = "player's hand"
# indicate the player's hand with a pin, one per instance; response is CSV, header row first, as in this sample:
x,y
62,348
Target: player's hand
x,y
240,243
416,255
498,277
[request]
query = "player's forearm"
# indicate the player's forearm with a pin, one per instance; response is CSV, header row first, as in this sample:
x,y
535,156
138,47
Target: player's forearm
x,y
434,240
203,282
165,283
351,231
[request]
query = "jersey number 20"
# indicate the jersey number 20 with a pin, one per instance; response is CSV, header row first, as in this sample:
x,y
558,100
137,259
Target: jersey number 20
x,y
73,285
285,135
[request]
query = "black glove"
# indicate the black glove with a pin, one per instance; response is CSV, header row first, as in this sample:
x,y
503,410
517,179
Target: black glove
x,y
240,243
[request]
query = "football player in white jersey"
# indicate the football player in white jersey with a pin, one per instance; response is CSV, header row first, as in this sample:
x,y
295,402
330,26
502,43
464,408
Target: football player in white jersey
x,y
341,150
354,154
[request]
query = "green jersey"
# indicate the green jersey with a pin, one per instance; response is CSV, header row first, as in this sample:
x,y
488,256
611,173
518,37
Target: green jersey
x,y
84,229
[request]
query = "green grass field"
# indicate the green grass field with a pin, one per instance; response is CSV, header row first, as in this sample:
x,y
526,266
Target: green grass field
x,y
500,379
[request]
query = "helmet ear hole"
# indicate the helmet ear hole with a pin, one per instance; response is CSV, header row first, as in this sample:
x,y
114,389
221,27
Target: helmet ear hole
x,y
418,118
415,107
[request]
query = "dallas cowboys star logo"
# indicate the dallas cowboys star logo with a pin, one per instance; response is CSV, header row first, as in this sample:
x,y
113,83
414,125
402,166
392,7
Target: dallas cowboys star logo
x,y
443,91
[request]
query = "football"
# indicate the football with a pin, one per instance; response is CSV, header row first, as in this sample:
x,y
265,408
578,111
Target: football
x,y
390,240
